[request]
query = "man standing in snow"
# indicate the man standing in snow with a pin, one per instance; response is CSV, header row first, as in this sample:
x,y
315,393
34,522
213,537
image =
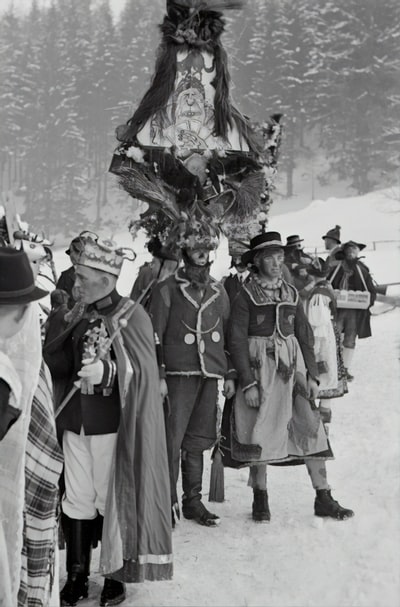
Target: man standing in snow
x,y
116,474
332,245
350,274
233,283
190,312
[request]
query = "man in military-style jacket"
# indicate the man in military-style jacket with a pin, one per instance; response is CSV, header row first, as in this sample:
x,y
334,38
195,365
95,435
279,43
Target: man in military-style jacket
x,y
190,311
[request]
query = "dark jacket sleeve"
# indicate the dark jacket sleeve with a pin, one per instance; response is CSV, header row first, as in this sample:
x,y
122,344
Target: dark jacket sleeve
x,y
66,283
159,311
368,281
226,307
57,348
238,340
8,413
305,337
144,277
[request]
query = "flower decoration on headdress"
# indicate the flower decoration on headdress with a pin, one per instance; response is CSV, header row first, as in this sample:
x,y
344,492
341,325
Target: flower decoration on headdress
x,y
194,230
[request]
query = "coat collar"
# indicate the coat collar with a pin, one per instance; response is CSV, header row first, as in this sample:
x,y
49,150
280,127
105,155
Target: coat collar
x,y
211,293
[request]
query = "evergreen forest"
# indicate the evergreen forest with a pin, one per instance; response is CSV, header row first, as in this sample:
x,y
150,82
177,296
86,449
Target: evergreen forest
x,y
71,72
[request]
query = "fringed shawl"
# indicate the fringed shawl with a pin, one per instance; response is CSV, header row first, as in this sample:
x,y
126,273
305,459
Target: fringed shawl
x,y
43,466
24,351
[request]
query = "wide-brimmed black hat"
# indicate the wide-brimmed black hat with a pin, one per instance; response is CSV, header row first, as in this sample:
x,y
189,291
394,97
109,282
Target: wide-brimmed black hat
x,y
353,243
17,283
350,243
260,242
293,240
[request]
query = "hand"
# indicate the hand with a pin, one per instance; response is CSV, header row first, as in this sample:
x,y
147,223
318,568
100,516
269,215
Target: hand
x,y
163,388
252,397
91,371
229,388
312,388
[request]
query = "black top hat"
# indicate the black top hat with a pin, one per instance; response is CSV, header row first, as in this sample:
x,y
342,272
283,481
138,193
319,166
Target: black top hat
x,y
334,234
260,242
17,283
293,240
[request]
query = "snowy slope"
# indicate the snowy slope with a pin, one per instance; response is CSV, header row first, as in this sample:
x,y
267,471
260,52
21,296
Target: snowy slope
x,y
298,560
368,218
374,216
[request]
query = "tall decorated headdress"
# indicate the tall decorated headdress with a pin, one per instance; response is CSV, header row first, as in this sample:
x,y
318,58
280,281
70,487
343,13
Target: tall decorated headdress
x,y
187,151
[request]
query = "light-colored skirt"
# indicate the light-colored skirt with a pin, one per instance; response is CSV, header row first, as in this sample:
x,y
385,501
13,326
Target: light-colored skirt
x,y
286,426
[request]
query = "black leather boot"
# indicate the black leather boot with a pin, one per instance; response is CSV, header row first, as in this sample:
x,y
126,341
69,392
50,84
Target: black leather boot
x,y
113,593
78,538
326,506
261,513
192,506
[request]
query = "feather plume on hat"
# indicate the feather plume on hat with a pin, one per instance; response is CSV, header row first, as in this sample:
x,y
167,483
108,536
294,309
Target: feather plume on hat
x,y
195,229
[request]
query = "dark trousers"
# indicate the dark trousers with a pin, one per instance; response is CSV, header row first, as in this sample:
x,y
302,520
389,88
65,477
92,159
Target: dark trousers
x,y
193,402
346,322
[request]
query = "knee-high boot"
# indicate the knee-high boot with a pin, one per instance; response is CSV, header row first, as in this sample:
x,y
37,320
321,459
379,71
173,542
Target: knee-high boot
x,y
113,592
78,537
192,476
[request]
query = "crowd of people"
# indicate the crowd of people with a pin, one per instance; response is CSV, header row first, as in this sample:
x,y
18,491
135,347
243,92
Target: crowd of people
x,y
101,417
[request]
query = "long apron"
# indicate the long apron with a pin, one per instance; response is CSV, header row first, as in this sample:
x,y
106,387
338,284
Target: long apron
x,y
285,426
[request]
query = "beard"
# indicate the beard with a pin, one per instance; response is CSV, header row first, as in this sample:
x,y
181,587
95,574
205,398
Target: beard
x,y
198,276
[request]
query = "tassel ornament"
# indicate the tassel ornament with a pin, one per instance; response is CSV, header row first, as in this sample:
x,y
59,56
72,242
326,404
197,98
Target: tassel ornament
x,y
217,479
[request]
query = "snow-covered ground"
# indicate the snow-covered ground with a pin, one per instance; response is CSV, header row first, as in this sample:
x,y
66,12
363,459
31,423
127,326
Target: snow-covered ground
x,y
299,560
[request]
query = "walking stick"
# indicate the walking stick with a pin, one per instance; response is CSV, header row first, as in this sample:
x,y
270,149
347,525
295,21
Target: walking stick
x,y
122,323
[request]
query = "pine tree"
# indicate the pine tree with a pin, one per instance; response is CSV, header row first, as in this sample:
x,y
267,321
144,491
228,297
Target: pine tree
x,y
293,80
138,39
11,103
362,59
103,99
69,180
33,168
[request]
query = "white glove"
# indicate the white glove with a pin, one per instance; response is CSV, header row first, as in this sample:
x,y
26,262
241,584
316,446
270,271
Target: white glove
x,y
163,388
92,372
